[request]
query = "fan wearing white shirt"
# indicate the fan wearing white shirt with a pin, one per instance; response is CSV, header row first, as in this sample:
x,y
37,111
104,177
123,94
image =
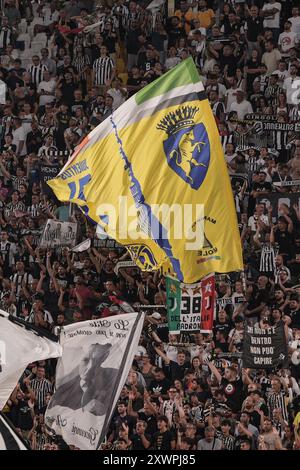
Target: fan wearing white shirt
x,y
19,138
271,14
291,85
287,40
241,106
230,95
282,71
258,215
46,89
295,20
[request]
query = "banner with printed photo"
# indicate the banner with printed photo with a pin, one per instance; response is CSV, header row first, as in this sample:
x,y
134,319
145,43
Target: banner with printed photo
x,y
265,348
97,356
58,234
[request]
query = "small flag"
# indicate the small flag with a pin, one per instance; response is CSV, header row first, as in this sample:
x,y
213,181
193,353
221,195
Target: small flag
x,y
83,246
190,307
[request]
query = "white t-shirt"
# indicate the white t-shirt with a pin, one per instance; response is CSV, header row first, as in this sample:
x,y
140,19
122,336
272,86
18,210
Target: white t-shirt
x,y
252,222
282,75
231,98
291,86
272,21
3,90
49,87
242,108
270,60
295,20
117,96
19,136
287,41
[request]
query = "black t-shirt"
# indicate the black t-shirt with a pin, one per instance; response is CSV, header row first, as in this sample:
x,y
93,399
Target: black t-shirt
x,y
151,422
175,371
226,327
162,386
147,64
137,443
234,393
259,187
295,317
255,419
128,420
255,27
105,276
285,241
162,441
174,34
132,42
20,416
258,296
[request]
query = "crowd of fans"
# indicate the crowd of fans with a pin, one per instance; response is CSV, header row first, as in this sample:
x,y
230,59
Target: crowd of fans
x,y
183,392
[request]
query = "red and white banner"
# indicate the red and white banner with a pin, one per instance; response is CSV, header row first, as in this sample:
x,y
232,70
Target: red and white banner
x,y
208,304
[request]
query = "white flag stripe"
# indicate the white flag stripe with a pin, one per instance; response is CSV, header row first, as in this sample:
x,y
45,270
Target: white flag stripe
x,y
18,348
9,440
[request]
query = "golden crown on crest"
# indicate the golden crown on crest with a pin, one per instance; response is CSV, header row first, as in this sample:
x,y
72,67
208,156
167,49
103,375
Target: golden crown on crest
x,y
177,120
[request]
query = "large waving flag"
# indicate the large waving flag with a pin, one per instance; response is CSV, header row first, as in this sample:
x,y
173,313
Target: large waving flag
x,y
96,359
153,176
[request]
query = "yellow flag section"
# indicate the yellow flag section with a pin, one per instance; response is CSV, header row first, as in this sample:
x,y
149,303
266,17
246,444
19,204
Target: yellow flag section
x,y
153,175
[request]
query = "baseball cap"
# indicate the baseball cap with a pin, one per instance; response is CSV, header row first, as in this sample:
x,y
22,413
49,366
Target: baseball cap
x,y
141,351
156,316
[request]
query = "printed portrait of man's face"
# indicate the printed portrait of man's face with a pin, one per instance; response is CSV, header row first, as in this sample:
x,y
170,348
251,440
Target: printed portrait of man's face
x,y
93,358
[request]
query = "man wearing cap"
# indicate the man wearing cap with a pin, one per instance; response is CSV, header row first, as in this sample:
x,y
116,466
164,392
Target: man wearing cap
x,y
241,106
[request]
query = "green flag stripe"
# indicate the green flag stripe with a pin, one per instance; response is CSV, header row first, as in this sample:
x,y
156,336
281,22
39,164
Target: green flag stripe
x,y
183,74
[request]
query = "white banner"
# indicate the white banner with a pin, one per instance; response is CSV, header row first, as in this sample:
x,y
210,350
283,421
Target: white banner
x,y
124,264
58,234
83,246
97,356
18,348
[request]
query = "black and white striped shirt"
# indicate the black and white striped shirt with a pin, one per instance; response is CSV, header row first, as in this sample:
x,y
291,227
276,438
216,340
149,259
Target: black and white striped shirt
x,y
18,280
226,139
121,13
227,441
277,400
37,73
267,258
5,37
103,68
35,209
41,387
